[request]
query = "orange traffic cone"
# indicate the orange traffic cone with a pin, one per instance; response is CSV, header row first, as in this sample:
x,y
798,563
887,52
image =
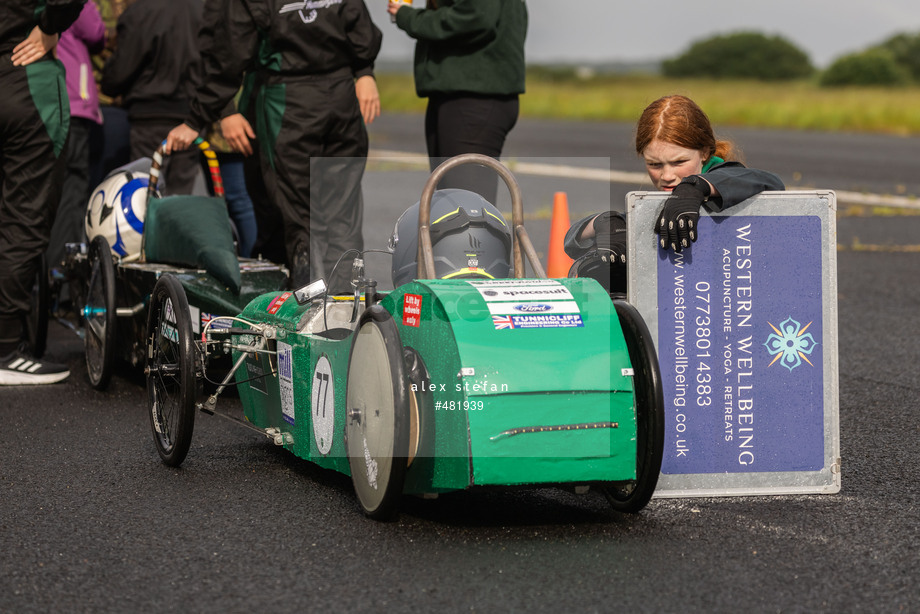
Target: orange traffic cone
x,y
558,262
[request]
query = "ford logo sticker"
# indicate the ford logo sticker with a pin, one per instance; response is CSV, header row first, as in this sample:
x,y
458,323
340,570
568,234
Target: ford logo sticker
x,y
533,307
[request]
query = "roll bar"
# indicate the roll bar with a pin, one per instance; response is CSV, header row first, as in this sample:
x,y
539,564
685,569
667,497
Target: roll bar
x,y
521,238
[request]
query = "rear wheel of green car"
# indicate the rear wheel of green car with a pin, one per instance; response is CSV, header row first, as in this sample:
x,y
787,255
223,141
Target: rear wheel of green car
x,y
633,495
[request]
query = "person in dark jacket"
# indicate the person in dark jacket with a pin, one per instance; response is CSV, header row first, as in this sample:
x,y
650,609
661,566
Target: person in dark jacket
x,y
469,63
109,143
155,69
315,91
34,124
682,156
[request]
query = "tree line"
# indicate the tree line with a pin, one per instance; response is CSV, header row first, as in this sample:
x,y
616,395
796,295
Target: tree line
x,y
752,55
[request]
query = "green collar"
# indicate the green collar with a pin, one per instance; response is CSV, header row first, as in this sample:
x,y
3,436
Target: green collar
x,y
713,161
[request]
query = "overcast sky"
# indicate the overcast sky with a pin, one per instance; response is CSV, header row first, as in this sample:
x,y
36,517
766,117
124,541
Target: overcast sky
x,y
630,30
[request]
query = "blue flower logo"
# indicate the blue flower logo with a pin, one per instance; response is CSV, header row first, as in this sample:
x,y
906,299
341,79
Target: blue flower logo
x,y
790,344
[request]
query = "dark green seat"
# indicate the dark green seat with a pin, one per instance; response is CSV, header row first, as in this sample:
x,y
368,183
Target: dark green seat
x,y
192,231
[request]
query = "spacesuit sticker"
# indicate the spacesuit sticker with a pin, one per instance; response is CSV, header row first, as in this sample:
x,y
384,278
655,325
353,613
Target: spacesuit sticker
x,y
286,382
515,290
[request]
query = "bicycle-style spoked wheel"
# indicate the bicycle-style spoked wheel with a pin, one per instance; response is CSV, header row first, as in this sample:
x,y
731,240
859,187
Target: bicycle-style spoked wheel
x,y
170,370
99,315
634,495
377,419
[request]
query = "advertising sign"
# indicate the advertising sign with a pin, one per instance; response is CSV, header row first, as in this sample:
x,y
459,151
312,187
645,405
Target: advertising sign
x,y
745,323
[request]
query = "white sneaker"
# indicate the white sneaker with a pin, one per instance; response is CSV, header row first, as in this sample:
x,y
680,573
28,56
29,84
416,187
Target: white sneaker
x,y
20,369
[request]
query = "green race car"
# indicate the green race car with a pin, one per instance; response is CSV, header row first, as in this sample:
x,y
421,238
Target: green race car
x,y
439,385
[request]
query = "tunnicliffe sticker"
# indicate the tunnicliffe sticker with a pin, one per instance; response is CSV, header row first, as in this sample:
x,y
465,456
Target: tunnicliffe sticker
x,y
546,320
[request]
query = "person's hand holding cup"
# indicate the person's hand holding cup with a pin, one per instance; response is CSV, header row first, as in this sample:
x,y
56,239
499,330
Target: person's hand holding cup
x,y
395,5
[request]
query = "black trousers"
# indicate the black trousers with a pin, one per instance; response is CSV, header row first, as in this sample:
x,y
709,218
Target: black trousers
x,y
69,222
269,225
313,153
180,168
468,123
33,161
109,144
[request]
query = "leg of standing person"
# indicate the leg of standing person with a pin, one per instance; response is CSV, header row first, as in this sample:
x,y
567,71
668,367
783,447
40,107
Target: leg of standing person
x,y
338,202
269,243
33,160
457,124
96,146
290,120
68,224
239,204
110,146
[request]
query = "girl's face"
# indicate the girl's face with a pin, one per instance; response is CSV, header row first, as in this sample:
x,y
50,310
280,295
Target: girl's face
x,y
667,163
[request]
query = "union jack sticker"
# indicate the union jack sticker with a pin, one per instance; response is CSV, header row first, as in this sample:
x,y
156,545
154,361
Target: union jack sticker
x,y
502,322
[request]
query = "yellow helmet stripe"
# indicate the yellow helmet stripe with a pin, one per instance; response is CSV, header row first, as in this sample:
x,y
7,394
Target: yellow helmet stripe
x,y
445,215
467,271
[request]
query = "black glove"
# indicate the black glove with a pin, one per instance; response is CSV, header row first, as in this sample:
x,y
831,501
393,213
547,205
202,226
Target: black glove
x,y
610,233
676,226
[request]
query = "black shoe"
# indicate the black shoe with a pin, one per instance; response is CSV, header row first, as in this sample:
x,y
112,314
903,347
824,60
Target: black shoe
x,y
20,369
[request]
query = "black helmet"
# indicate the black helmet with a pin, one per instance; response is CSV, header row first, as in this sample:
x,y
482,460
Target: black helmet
x,y
470,239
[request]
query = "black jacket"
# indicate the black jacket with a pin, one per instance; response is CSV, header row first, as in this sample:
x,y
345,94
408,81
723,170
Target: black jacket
x,y
155,66
17,18
734,181
289,39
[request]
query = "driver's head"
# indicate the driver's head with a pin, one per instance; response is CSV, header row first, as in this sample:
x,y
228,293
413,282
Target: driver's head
x,y
469,236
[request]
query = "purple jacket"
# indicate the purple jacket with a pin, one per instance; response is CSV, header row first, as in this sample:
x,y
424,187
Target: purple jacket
x,y
85,36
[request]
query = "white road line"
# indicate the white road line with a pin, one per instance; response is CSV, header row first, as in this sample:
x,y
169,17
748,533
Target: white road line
x,y
877,200
629,178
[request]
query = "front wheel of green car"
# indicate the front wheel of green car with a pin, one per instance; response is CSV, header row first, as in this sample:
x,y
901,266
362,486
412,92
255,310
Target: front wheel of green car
x,y
377,418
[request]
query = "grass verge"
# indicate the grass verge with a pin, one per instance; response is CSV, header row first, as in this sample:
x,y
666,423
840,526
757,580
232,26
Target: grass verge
x,y
799,105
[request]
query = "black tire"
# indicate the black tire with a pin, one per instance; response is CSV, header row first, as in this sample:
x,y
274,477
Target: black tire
x,y
632,496
36,325
377,419
99,315
171,385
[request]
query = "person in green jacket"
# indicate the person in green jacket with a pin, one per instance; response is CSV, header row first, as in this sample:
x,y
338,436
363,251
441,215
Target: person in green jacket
x,y
469,63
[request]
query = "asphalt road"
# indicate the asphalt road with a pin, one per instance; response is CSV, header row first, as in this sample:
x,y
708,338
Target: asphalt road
x,y
91,521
